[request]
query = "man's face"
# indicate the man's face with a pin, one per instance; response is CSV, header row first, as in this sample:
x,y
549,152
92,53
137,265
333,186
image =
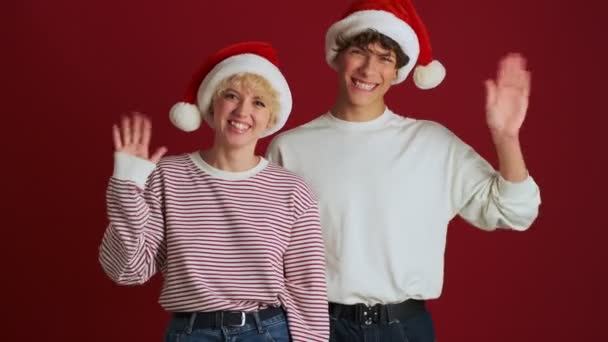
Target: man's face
x,y
366,74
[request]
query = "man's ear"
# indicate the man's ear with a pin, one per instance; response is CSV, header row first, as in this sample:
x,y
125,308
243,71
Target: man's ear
x,y
337,61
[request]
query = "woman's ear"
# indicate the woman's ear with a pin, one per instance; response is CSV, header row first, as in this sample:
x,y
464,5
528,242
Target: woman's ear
x,y
270,121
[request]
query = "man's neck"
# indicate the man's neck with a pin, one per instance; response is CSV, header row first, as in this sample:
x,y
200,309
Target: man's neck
x,y
349,112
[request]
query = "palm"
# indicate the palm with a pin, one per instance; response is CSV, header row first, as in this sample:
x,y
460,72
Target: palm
x,y
507,97
133,137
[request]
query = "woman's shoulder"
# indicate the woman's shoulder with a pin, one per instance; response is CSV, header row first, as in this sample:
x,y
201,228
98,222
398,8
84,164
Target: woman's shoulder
x,y
288,179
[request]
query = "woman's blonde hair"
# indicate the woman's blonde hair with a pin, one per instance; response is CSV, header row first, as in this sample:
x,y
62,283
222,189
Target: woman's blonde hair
x,y
255,83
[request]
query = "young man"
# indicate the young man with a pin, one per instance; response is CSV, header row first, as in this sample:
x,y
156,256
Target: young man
x,y
389,185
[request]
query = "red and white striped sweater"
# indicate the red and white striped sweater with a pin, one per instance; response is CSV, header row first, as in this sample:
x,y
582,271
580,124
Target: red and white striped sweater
x,y
222,240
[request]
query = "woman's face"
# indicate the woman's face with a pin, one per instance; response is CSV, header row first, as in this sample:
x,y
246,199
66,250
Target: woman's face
x,y
241,115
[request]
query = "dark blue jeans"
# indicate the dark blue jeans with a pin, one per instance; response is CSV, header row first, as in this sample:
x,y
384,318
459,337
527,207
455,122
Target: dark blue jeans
x,y
416,329
270,330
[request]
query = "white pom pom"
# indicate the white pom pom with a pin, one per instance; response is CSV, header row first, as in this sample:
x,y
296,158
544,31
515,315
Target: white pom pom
x,y
185,116
429,76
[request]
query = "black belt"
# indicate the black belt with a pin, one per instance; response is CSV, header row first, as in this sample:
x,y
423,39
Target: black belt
x,y
377,314
218,319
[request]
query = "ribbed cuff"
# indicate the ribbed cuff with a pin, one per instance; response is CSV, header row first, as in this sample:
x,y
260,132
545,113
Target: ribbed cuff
x,y
509,189
131,168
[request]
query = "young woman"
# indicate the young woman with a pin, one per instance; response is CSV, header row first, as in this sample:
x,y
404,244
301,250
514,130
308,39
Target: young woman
x,y
237,239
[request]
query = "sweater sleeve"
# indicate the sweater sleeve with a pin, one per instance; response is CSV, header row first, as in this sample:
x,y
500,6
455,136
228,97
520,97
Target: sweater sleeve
x,y
306,288
482,197
133,248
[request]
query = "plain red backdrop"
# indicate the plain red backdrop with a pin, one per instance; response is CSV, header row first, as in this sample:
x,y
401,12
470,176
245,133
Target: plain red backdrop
x,y
71,68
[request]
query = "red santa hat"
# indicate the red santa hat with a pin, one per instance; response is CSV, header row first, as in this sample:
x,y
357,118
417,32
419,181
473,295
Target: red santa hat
x,y
398,20
251,57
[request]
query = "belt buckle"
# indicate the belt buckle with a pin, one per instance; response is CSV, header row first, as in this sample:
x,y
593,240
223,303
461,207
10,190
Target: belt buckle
x,y
367,313
370,314
243,319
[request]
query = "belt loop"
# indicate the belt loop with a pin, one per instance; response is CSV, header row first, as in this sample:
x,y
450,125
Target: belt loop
x,y
358,311
383,314
258,323
190,325
390,315
337,310
219,319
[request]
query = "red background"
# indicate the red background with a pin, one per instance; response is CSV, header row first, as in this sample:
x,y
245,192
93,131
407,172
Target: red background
x,y
71,68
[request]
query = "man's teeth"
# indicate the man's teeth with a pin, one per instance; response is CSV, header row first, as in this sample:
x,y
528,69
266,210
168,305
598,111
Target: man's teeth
x,y
238,125
364,86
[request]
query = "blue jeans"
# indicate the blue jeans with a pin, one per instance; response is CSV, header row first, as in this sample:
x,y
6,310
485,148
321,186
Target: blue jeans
x,y
416,329
273,329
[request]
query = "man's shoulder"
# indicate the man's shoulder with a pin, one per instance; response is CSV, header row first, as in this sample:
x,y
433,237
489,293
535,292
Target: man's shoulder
x,y
304,131
426,127
434,127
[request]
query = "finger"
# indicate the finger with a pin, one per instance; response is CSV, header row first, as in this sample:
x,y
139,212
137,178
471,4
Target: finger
x,y
520,81
527,83
146,132
490,92
511,70
158,154
136,128
126,131
116,136
519,72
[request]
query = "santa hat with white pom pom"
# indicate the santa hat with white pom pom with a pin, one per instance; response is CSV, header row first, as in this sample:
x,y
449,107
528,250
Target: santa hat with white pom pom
x,y
398,20
248,57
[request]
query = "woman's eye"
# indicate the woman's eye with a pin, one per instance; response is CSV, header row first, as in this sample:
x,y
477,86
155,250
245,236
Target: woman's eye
x,y
229,96
260,104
